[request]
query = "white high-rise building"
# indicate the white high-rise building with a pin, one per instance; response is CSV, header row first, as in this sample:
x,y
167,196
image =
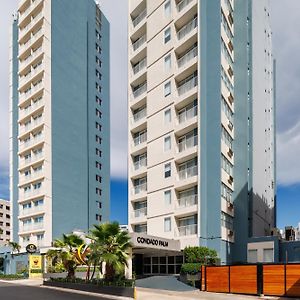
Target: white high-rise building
x,y
4,222
201,123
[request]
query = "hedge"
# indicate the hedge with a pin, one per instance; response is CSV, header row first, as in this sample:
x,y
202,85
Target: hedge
x,y
190,268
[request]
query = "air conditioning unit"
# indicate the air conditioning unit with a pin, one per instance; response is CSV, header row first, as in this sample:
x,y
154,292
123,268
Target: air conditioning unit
x,y
230,153
230,233
230,180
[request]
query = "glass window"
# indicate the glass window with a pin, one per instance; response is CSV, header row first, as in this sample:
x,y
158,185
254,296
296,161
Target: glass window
x,y
168,117
168,62
167,170
268,255
167,224
168,88
167,143
167,35
168,8
168,197
252,256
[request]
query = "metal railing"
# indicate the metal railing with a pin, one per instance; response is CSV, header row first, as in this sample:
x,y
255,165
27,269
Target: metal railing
x,y
187,57
139,213
187,114
182,4
31,91
32,125
31,227
188,201
33,210
187,230
32,40
24,112
188,143
31,193
140,139
30,160
137,20
140,188
187,85
186,29
139,91
188,172
31,142
138,43
140,164
140,66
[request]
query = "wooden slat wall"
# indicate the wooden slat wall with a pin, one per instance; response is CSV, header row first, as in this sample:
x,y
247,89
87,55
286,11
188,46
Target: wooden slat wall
x,y
203,277
243,279
217,279
293,280
273,278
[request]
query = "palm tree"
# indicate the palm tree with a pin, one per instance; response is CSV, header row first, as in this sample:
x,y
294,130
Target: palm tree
x,y
65,252
110,245
15,247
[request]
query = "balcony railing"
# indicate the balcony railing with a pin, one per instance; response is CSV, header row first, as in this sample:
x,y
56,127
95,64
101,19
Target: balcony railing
x,y
140,115
31,142
139,213
140,139
188,172
186,29
32,125
31,227
138,43
31,24
25,95
187,230
32,107
32,176
33,210
187,114
137,20
30,193
140,66
31,41
188,57
29,76
140,164
187,201
29,9
188,143
182,4
141,90
30,160
187,85
140,188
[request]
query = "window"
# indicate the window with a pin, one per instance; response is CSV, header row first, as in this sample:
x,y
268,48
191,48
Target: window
x,y
98,191
98,126
39,237
167,170
226,165
98,61
167,143
98,165
98,152
98,178
268,255
252,256
98,75
167,35
98,87
168,197
98,100
26,238
98,35
99,204
168,88
168,62
226,221
98,218
168,116
168,8
98,113
98,139
98,49
167,224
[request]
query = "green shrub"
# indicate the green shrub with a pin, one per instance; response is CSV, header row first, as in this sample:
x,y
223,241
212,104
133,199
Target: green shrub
x,y
12,276
190,268
202,255
35,271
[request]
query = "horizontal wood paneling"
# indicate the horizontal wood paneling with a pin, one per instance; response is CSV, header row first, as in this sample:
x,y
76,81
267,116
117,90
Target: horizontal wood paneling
x,y
217,279
293,280
243,279
273,279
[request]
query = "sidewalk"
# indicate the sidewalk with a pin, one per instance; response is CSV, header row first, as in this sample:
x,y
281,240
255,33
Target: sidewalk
x,y
28,282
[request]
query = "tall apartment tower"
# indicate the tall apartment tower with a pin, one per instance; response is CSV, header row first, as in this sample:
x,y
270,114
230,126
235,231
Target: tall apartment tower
x,y
4,222
201,122
59,125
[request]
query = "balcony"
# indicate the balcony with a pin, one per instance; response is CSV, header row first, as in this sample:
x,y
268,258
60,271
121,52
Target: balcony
x,y
30,177
26,111
32,211
30,194
31,142
25,162
138,19
187,201
139,140
187,230
29,10
188,143
138,116
139,92
32,227
29,76
31,126
29,43
187,57
139,66
30,26
139,213
30,92
188,172
187,84
188,114
183,4
186,29
140,164
140,188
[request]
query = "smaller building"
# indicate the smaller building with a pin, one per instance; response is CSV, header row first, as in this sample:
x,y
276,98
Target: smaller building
x,y
4,222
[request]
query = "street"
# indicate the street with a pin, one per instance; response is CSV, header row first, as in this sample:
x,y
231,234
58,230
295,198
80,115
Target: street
x,y
11,291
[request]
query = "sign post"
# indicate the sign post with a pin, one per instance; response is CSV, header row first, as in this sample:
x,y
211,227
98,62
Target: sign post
x,y
35,262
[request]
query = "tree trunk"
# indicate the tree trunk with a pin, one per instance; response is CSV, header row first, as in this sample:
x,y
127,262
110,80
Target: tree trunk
x,y
94,270
109,272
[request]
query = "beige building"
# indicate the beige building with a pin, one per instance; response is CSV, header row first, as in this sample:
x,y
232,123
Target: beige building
x,y
189,163
4,222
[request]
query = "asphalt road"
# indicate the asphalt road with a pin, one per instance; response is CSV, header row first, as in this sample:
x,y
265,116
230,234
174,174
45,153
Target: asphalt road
x,y
9,291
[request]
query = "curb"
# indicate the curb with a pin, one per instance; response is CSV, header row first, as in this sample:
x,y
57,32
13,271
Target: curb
x,y
108,297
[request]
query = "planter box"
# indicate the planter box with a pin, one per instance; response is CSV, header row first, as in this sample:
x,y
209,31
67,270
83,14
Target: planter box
x,y
93,288
186,278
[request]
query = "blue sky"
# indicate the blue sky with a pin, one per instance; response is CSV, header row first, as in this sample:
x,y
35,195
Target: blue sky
x,y
286,45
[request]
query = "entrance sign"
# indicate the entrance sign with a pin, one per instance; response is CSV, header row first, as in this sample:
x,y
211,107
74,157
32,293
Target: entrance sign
x,y
35,262
31,248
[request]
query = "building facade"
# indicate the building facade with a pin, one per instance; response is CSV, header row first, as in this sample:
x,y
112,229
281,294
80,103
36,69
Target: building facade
x,y
201,122
4,222
59,125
